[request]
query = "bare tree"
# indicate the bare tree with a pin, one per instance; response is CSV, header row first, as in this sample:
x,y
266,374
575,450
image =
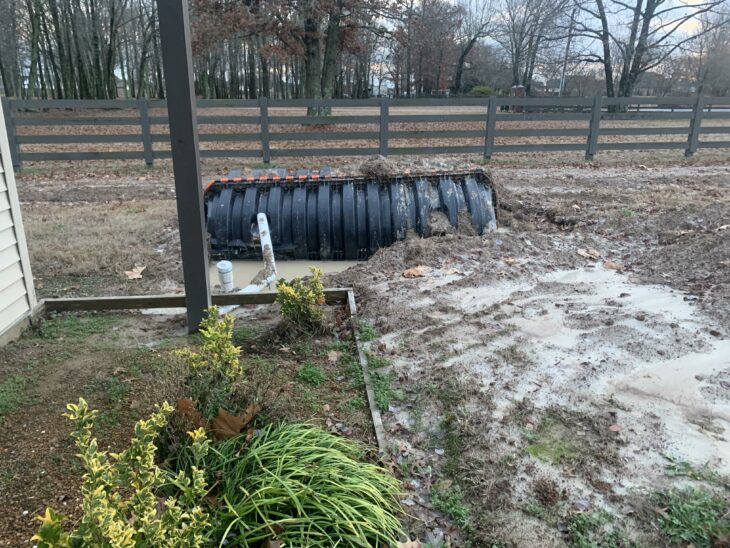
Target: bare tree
x,y
637,36
527,26
476,20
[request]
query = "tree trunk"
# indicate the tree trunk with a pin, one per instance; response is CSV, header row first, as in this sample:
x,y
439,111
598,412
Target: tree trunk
x,y
456,87
7,80
312,61
35,37
606,43
251,72
329,63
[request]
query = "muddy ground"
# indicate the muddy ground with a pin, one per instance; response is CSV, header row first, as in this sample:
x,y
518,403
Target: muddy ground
x,y
546,371
557,367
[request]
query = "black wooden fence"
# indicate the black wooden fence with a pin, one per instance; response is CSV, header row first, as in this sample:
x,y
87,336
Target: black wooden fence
x,y
380,126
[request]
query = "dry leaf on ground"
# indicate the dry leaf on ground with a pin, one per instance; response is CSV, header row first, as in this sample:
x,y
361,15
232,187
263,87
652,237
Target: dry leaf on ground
x,y
589,253
186,408
333,356
227,425
612,265
415,272
135,273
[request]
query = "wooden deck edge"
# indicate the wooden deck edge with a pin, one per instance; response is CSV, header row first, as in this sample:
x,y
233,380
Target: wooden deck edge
x,y
374,411
136,302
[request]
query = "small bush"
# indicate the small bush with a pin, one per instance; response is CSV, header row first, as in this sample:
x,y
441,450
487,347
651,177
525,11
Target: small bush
x,y
122,493
303,486
301,301
214,370
481,91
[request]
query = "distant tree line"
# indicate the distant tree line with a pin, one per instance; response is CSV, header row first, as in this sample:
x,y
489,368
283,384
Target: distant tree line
x,y
361,48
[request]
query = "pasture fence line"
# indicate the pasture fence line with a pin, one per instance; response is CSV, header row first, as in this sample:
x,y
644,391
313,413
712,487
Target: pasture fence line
x,y
266,129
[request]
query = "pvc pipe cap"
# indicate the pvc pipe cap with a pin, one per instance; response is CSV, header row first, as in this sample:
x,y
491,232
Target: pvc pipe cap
x,y
224,267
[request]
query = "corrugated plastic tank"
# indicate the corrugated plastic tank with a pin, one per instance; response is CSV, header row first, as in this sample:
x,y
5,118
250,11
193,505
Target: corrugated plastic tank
x,y
321,217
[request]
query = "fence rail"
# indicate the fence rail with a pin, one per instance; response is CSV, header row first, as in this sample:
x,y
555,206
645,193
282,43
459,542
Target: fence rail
x,y
41,130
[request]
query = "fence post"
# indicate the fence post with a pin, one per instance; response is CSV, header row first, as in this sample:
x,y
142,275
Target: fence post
x,y
490,128
144,120
384,126
11,131
594,128
695,126
264,122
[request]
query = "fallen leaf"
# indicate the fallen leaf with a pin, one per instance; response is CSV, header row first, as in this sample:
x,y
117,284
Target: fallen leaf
x,y
326,407
614,428
410,544
415,272
186,408
226,425
135,273
612,265
251,412
589,253
333,356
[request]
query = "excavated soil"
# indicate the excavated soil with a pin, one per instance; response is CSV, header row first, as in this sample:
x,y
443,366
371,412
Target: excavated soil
x,y
552,367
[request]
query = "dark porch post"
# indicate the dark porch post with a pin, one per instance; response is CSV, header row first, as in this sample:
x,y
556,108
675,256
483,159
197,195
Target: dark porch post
x,y
177,63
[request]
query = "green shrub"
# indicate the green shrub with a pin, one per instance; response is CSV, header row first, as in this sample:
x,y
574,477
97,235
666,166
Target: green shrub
x,y
121,492
301,485
481,91
301,302
214,369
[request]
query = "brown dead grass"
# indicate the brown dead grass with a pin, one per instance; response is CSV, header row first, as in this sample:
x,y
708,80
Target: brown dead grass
x,y
101,240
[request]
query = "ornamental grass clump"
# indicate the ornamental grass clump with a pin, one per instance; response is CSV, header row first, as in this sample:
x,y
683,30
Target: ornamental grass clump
x,y
301,302
123,494
303,486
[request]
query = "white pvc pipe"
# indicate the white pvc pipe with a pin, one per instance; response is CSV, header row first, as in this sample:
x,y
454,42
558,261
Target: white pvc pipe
x,y
225,275
267,275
